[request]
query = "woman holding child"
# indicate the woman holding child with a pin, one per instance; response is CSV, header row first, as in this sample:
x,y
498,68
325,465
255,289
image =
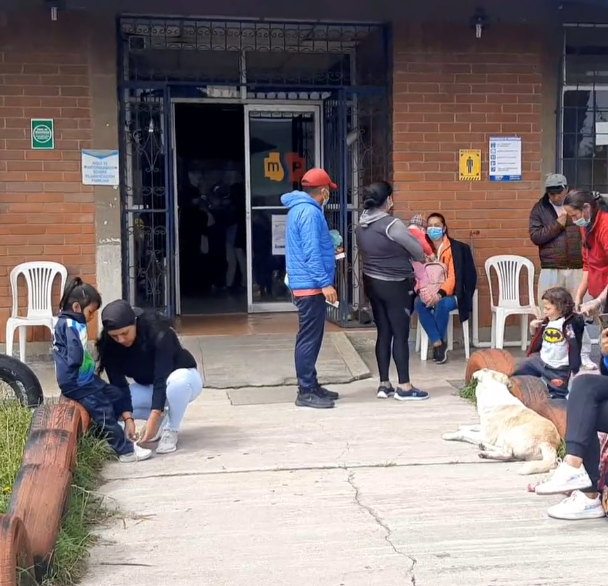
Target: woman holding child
x,y
457,290
388,251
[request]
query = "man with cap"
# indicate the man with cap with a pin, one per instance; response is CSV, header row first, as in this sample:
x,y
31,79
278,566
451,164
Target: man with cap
x,y
559,246
310,258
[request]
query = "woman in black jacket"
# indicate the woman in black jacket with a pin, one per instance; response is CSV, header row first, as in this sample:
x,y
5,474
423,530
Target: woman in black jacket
x,y
144,347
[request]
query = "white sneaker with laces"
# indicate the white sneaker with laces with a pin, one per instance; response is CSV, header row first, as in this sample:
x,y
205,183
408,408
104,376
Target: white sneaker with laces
x,y
587,363
565,479
167,443
577,507
138,454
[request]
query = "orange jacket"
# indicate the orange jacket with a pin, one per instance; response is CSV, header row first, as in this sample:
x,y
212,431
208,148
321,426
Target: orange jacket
x,y
444,254
595,258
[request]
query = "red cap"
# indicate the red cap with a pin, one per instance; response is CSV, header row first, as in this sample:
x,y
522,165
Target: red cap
x,y
318,178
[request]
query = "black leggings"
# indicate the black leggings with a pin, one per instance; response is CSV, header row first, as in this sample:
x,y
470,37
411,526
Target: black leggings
x,y
392,303
587,413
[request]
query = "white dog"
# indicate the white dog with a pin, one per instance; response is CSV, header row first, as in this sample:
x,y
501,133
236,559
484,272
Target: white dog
x,y
507,429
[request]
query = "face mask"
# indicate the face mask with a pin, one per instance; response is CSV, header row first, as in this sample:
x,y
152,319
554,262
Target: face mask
x,y
435,233
581,222
324,202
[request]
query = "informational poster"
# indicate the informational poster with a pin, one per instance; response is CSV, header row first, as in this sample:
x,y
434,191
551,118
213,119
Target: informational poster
x,y
505,158
469,165
100,167
278,234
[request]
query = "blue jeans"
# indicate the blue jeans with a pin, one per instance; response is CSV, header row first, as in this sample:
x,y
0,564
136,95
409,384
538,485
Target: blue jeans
x,y
311,319
435,320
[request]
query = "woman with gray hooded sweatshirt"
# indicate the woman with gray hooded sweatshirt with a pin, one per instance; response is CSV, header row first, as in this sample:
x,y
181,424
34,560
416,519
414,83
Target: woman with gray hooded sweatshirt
x,y
388,249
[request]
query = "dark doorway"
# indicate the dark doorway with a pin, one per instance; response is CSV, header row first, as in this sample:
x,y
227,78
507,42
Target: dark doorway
x,y
210,153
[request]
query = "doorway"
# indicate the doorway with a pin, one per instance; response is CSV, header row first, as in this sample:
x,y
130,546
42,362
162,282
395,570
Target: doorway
x,y
211,208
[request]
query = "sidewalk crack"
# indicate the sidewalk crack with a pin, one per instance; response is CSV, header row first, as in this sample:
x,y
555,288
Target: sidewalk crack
x,y
388,533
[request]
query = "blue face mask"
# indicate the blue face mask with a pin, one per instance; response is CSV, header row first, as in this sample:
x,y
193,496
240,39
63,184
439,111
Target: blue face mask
x,y
435,233
581,222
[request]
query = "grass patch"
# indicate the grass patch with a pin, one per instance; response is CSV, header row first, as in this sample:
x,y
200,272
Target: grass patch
x,y
85,508
468,391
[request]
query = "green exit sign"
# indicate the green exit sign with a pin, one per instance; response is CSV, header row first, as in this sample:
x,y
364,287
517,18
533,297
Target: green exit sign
x,y
43,134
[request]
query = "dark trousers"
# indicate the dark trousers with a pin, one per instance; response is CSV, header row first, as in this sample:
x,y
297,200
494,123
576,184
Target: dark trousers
x,y
311,319
534,366
587,413
392,303
105,407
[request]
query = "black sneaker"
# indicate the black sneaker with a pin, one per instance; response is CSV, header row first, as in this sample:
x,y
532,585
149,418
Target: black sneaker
x,y
327,393
442,353
385,392
314,400
413,394
435,348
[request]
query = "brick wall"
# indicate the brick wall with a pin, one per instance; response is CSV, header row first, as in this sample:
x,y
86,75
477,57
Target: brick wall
x,y
451,92
45,212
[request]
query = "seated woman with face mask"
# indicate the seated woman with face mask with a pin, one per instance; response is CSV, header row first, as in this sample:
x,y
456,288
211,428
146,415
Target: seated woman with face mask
x,y
456,292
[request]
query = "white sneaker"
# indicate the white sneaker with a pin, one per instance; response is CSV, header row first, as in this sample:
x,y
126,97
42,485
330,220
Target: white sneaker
x,y
587,363
566,478
138,454
167,443
576,507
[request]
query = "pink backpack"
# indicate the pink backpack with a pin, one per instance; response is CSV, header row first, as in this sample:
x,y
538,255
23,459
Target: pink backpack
x,y
436,273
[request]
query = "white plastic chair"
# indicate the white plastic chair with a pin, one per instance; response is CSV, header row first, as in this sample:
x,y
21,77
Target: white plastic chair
x,y
508,270
39,278
422,339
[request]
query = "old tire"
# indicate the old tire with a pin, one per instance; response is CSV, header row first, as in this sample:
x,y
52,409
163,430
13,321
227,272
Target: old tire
x,y
16,560
51,447
22,380
532,392
64,416
498,360
38,499
85,418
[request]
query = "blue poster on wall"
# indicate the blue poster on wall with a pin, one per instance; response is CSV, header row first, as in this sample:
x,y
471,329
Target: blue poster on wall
x,y
505,158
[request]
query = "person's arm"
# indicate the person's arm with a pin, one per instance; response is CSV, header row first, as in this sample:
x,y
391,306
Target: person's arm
x,y
449,285
604,349
313,231
582,288
163,367
541,233
397,231
575,344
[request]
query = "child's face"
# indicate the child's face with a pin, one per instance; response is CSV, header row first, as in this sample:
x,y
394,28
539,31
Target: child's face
x,y
89,311
550,311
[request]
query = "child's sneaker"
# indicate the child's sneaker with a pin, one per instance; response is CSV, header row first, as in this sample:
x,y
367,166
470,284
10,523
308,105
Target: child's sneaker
x,y
138,454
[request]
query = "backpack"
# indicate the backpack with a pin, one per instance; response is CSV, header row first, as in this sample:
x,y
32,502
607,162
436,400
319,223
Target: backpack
x,y
436,273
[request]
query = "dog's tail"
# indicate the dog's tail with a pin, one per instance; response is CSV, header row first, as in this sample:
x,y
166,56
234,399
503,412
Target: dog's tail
x,y
546,463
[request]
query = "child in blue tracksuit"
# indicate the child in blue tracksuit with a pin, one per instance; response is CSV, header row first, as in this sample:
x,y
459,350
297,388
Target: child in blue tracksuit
x,y
75,372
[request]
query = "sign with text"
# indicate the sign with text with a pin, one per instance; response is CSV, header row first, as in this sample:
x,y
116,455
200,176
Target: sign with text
x,y
469,165
505,158
100,167
43,134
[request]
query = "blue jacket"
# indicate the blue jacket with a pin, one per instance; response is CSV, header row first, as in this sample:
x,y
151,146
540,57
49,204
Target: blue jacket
x,y
309,249
74,365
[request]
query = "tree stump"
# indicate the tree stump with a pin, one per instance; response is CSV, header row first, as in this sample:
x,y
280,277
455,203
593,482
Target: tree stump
x,y
532,392
498,360
38,499
16,560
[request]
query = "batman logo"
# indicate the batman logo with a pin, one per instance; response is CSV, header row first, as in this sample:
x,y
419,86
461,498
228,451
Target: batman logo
x,y
553,336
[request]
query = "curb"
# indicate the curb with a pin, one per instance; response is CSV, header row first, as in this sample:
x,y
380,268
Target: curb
x,y
28,532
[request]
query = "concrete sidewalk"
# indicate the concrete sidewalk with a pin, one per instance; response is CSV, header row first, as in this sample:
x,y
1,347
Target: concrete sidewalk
x,y
362,495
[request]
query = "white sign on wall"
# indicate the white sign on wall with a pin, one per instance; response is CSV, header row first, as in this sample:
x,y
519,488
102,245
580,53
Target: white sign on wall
x,y
279,223
100,167
505,158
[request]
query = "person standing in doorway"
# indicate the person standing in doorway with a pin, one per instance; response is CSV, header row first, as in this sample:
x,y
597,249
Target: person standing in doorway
x,y
310,259
559,247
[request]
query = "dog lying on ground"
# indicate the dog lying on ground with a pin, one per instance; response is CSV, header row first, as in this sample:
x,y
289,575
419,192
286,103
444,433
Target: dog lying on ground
x,y
508,430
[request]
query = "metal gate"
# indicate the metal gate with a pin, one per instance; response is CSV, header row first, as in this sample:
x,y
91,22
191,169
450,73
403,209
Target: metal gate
x,y
147,198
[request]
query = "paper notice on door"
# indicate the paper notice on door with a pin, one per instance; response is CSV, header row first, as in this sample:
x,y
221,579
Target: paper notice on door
x,y
278,234
601,133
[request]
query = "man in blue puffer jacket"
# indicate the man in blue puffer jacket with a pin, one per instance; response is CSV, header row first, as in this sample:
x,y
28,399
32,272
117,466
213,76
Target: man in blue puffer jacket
x,y
311,262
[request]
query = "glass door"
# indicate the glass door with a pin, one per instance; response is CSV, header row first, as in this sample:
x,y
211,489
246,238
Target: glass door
x,y
281,143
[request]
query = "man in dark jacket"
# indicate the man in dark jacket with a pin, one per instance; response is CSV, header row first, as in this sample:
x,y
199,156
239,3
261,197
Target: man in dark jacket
x,y
559,246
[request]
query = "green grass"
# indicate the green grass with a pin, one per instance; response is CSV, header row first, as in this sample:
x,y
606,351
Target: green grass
x,y
86,507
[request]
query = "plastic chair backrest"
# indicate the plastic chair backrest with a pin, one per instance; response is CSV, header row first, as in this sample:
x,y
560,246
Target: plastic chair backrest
x,y
508,269
39,278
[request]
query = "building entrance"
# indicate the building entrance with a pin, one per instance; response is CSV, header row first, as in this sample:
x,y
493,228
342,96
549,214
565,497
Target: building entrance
x,y
218,120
